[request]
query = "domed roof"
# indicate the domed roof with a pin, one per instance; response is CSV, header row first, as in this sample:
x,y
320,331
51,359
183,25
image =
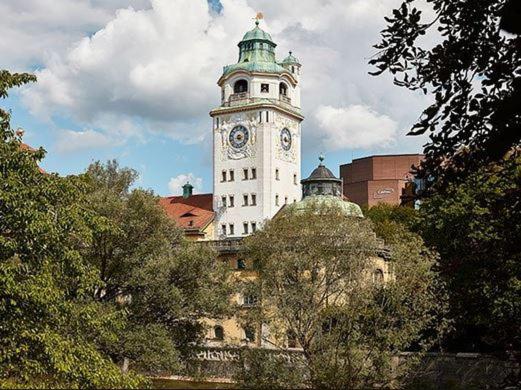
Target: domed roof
x,y
321,173
290,59
257,34
327,201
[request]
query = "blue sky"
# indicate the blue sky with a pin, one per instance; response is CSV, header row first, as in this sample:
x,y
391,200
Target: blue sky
x,y
135,80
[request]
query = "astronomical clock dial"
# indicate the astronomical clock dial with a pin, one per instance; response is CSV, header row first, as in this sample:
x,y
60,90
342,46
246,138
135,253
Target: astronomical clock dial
x,y
239,136
285,139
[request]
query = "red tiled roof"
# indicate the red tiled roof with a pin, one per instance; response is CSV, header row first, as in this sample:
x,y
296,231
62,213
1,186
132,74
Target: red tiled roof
x,y
203,201
24,146
192,213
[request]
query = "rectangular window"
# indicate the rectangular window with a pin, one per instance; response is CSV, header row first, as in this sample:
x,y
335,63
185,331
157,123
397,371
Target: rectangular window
x,y
223,229
267,116
295,178
223,201
232,178
245,174
245,228
253,227
217,122
245,200
224,176
260,116
253,173
277,174
231,229
265,88
231,201
253,199
276,200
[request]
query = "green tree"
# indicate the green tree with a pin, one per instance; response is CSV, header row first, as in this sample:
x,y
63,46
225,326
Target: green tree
x,y
473,73
51,328
315,284
475,227
391,222
167,285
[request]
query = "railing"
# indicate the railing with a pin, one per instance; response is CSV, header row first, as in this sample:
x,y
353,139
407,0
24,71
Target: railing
x,y
242,98
284,99
222,246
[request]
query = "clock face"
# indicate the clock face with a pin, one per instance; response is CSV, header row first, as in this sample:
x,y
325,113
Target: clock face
x,y
285,139
239,136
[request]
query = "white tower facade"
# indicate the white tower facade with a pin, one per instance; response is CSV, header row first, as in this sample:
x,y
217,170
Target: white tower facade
x,y
257,137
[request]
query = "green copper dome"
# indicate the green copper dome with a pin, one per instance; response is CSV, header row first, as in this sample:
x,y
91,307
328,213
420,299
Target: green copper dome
x,y
290,60
349,209
257,53
257,34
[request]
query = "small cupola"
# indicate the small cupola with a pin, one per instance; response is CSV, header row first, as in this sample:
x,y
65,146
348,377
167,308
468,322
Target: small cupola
x,y
321,182
187,190
291,63
257,46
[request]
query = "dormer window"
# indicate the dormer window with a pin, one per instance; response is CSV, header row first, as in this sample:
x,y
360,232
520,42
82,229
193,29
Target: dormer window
x,y
240,86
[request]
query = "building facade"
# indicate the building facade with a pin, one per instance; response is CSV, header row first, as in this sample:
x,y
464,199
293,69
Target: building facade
x,y
256,137
378,179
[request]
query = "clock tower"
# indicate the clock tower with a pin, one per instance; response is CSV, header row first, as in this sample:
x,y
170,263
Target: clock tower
x,y
256,135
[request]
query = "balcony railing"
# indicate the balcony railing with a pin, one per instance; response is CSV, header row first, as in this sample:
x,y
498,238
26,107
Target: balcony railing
x,y
284,99
230,245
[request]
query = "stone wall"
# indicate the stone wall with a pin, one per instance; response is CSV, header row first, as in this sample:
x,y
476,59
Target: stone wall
x,y
437,370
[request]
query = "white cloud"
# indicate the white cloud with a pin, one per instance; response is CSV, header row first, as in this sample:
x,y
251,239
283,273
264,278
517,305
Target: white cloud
x,y
71,141
176,183
354,127
156,66
33,30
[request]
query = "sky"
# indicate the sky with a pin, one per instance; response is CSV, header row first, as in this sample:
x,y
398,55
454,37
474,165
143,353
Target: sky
x,y
135,80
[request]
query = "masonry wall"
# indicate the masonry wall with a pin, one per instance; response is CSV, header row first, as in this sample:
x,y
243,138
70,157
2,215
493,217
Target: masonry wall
x,y
377,179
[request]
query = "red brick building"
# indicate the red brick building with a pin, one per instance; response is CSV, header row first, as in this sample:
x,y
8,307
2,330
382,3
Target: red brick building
x,y
378,179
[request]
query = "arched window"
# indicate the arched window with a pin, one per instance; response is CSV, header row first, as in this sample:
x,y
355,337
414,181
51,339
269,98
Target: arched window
x,y
218,332
283,89
249,333
378,276
240,86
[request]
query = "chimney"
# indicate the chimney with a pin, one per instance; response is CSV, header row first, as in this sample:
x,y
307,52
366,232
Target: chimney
x,y
187,190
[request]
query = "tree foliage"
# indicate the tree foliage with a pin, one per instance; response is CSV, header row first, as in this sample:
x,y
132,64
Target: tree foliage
x,y
167,284
475,227
473,73
315,284
391,222
51,328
